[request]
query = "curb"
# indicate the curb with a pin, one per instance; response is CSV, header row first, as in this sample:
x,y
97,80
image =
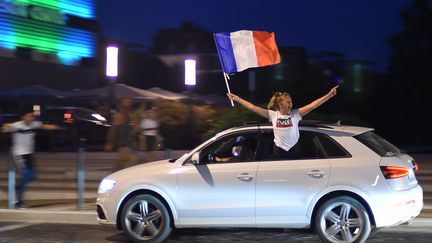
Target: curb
x,y
48,216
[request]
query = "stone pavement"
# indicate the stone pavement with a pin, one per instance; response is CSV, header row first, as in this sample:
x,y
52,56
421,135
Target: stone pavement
x,y
53,196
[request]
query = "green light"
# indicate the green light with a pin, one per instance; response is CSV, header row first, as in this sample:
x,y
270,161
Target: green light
x,y
69,44
45,36
81,8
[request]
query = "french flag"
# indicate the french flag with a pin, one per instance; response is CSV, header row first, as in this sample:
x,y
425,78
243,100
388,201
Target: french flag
x,y
245,49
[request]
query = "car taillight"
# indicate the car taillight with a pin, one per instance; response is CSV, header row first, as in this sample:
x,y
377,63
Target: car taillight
x,y
394,172
68,117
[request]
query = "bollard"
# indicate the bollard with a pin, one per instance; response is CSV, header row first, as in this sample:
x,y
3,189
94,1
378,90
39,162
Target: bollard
x,y
81,175
11,182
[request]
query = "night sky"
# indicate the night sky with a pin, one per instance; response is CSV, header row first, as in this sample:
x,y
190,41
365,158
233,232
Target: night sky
x,y
357,28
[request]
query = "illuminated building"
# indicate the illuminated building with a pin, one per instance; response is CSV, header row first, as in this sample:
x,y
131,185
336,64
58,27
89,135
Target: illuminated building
x,y
50,42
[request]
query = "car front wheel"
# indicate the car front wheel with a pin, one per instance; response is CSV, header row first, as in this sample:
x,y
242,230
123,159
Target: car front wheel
x,y
145,218
342,219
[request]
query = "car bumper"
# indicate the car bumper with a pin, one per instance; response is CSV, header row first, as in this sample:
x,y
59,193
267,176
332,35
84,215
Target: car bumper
x,y
106,209
398,207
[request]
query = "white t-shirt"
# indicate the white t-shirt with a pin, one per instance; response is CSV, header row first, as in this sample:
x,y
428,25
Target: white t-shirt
x,y
285,128
149,127
23,137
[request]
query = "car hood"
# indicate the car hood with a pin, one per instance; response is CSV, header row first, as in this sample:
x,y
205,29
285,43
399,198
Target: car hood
x,y
144,170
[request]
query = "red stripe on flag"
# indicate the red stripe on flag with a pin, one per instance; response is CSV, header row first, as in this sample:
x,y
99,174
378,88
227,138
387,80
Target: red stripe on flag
x,y
266,49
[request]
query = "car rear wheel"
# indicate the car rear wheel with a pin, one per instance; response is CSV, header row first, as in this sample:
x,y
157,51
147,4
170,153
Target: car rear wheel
x,y
145,218
342,219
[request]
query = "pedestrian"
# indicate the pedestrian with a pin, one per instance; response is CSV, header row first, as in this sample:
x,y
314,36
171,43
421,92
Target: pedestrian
x,y
283,117
123,135
23,147
150,131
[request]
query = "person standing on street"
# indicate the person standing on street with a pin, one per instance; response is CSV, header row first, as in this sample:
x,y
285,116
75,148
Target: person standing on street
x,y
23,146
123,135
150,130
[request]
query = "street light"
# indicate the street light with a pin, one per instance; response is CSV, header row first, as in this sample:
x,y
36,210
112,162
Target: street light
x,y
190,72
112,62
112,74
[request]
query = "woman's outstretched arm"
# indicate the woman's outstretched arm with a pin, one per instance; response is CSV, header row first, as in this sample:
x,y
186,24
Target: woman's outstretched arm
x,y
314,104
248,105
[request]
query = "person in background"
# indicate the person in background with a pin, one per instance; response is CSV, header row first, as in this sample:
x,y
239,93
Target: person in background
x,y
23,147
150,131
123,135
283,117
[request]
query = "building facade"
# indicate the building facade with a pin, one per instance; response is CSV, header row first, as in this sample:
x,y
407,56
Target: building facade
x,y
49,42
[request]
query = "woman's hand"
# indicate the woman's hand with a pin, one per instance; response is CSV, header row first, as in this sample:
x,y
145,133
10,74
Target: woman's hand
x,y
234,97
333,91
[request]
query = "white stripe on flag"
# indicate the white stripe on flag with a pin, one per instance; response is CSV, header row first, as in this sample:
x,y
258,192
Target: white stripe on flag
x,y
244,49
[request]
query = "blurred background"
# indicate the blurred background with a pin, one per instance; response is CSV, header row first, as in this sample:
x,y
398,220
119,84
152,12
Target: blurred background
x,y
53,56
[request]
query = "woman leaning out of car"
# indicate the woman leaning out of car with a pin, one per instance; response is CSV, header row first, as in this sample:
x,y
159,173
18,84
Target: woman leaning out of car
x,y
283,117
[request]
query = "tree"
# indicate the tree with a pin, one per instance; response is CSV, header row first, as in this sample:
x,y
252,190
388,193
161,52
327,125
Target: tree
x,y
410,82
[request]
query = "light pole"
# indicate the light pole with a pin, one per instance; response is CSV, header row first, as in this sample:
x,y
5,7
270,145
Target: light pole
x,y
190,82
112,74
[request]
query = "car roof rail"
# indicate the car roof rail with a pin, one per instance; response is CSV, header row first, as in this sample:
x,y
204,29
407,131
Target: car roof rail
x,y
302,123
316,123
253,124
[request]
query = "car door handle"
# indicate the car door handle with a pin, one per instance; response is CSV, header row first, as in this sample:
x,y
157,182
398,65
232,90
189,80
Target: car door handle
x,y
245,177
316,174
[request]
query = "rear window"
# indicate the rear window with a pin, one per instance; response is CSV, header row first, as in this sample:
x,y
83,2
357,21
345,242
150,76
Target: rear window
x,y
378,144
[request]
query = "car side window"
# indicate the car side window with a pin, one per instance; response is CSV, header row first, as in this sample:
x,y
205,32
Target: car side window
x,y
240,147
81,114
308,147
332,148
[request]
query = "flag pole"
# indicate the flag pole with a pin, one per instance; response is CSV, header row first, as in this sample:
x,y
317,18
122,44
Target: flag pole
x,y
227,85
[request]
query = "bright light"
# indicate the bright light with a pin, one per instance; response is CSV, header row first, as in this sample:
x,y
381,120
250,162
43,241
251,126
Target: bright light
x,y
112,62
106,185
99,117
190,72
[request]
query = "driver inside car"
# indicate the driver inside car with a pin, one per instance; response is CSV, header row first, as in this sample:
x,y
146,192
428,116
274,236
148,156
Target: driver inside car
x,y
239,153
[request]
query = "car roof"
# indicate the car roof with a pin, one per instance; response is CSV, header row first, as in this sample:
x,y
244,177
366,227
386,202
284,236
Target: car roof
x,y
310,125
68,108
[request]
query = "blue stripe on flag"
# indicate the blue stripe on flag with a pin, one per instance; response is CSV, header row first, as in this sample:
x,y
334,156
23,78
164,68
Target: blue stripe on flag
x,y
225,51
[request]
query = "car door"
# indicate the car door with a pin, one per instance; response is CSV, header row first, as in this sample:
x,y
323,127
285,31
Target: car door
x,y
286,187
221,189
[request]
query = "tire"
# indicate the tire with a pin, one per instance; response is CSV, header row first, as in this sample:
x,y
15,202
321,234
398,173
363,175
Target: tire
x,y
342,219
145,218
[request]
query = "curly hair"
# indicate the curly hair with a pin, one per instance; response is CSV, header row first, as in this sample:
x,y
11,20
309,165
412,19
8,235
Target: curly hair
x,y
276,99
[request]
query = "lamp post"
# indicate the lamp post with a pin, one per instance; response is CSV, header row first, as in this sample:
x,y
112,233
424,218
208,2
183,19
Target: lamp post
x,y
190,82
112,74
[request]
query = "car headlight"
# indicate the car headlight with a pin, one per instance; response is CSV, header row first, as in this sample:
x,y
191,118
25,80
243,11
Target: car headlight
x,y
106,185
99,117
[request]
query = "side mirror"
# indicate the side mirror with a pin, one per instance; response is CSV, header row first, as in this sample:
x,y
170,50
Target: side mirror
x,y
195,158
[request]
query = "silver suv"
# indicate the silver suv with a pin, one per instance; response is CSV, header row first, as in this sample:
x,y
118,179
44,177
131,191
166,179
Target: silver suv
x,y
343,181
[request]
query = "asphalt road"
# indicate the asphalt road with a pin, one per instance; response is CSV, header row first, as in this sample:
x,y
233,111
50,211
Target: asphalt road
x,y
70,233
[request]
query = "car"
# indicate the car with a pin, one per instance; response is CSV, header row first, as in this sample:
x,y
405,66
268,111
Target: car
x,y
77,123
342,181
79,126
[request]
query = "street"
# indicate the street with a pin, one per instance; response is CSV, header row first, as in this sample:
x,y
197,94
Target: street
x,y
71,233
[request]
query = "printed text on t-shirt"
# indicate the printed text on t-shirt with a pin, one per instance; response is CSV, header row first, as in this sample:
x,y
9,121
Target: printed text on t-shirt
x,y
284,122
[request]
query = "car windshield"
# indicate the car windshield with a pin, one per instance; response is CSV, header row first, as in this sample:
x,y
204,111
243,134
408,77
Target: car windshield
x,y
378,144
